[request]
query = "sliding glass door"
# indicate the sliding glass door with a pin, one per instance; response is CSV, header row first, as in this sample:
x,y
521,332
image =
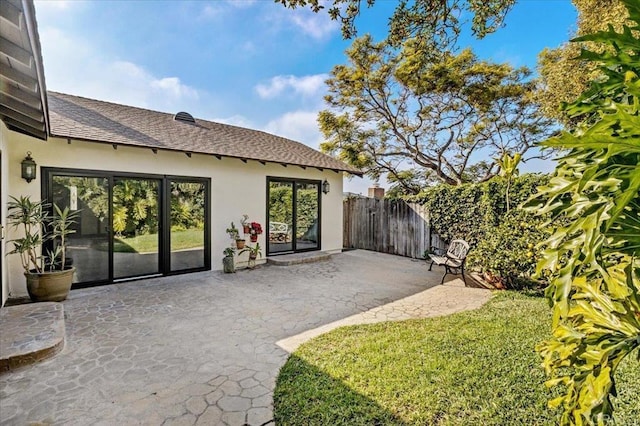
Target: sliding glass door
x,y
88,248
188,202
293,215
136,220
307,214
132,226
280,217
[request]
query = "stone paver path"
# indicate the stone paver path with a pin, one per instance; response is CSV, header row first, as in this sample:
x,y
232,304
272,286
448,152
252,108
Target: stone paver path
x,y
201,348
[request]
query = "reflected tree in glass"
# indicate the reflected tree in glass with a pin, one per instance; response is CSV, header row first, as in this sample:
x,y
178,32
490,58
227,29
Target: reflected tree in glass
x,y
187,225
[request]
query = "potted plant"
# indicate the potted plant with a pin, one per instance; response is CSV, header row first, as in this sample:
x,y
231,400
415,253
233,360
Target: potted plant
x,y
254,231
228,265
49,277
254,252
234,234
246,226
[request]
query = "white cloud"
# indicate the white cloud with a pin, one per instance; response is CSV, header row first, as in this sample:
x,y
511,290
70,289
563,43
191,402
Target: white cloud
x,y
210,11
309,85
75,67
236,120
249,47
316,25
218,9
172,86
54,4
241,4
301,126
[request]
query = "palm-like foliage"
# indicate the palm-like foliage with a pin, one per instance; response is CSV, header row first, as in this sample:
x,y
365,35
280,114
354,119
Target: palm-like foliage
x,y
593,262
39,227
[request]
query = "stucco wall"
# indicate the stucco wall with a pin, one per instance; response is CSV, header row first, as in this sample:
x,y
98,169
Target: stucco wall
x,y
236,188
4,134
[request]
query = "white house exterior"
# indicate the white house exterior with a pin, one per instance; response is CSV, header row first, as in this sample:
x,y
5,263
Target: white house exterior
x,y
90,142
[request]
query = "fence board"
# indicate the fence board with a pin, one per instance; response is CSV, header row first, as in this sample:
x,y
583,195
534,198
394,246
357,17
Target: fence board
x,y
388,226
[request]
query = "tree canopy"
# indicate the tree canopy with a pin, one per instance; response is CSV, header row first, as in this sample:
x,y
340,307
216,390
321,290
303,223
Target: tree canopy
x,y
416,119
435,22
563,76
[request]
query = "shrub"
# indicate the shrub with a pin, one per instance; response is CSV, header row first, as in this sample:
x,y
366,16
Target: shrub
x,y
478,214
508,253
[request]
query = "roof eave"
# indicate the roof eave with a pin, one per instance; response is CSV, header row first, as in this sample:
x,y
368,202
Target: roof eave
x,y
212,154
23,104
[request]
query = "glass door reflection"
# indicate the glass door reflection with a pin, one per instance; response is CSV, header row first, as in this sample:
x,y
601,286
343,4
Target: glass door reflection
x,y
187,224
88,246
306,213
136,238
280,216
294,215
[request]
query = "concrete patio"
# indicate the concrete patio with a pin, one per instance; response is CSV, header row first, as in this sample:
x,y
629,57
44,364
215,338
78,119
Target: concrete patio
x,y
206,348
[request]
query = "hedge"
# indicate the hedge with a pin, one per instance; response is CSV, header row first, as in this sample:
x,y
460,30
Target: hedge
x,y
503,244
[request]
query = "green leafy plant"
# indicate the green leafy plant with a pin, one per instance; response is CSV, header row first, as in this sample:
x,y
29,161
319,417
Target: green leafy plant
x,y
233,232
254,252
507,253
229,252
468,211
31,217
61,227
38,228
594,260
508,170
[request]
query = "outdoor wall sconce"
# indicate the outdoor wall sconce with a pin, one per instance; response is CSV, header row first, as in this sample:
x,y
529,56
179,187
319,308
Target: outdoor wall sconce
x,y
326,187
28,168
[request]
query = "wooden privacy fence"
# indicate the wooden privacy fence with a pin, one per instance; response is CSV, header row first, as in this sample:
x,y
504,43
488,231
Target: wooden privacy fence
x,y
387,226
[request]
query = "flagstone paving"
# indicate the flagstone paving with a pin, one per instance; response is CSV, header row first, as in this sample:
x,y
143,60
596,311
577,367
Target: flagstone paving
x,y
202,348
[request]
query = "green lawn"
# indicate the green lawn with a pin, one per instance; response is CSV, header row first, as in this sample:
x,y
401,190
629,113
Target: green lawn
x,y
180,240
472,368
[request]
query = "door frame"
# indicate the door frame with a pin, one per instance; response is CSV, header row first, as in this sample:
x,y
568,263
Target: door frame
x,y
164,224
294,218
113,179
165,258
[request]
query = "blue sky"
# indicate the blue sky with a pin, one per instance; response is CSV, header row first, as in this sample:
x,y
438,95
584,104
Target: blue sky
x,y
251,63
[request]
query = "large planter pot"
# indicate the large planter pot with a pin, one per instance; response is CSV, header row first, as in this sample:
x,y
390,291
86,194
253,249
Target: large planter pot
x,y
49,286
228,265
240,244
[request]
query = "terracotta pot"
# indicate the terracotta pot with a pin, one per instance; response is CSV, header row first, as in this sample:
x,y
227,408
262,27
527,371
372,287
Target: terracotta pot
x,y
240,244
254,238
49,286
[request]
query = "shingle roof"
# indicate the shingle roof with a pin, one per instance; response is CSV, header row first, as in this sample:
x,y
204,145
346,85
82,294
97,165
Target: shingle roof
x,y
98,121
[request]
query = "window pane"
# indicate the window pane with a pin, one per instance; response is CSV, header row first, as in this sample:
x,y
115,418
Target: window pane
x,y
307,216
136,242
280,216
188,219
88,247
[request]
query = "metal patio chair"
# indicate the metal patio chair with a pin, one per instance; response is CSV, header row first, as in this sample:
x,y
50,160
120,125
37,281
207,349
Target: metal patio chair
x,y
453,259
